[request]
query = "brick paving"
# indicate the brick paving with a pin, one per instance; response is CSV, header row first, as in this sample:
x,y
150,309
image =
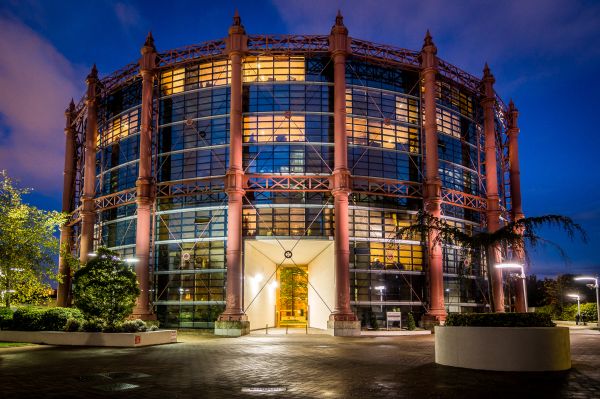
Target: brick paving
x,y
292,366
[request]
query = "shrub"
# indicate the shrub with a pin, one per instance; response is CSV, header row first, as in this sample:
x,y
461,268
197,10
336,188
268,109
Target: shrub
x,y
410,322
55,319
105,288
73,325
589,310
6,316
28,319
92,326
153,328
499,320
132,326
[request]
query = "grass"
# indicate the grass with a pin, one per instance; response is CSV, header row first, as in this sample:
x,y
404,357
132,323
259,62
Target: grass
x,y
13,344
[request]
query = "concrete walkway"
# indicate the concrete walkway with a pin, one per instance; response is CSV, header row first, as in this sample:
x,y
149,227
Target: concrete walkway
x,y
282,366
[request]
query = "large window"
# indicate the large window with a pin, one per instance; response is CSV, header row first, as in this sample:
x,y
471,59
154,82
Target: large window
x,y
269,69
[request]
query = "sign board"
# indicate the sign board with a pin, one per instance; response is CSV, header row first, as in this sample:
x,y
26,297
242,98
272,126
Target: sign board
x,y
391,317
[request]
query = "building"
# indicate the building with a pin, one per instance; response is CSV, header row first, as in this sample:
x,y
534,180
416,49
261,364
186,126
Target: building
x,y
263,178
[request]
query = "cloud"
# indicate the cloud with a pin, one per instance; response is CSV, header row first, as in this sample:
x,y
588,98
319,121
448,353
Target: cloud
x,y
128,15
37,83
468,32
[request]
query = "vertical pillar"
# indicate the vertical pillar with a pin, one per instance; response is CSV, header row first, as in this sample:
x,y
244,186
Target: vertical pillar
x,y
145,182
515,194
433,184
88,215
66,232
342,321
233,321
491,180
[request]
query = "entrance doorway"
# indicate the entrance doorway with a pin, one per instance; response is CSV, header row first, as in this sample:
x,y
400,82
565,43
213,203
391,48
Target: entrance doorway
x,y
308,293
292,296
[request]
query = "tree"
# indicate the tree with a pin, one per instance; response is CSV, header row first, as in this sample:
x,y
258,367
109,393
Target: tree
x,y
28,245
516,235
294,287
105,288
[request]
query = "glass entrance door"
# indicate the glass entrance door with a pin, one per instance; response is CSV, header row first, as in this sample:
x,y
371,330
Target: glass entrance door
x,y
292,298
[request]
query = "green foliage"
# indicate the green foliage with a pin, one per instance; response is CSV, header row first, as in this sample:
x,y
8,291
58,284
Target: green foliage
x,y
28,246
512,234
590,311
105,288
410,322
499,320
28,318
373,320
552,311
73,325
94,325
6,316
131,326
55,319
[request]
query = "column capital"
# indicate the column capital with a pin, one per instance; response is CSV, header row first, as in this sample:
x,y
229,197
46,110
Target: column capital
x,y
339,42
428,56
237,40
148,60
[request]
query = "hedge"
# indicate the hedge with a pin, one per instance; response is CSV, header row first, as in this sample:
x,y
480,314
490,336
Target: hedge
x,y
43,319
499,320
6,316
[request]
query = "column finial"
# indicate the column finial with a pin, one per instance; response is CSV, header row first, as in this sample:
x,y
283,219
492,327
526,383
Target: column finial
x,y
93,73
428,39
149,41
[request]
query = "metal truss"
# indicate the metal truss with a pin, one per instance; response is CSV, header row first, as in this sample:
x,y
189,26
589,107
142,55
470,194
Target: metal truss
x,y
387,187
288,44
385,54
463,200
124,197
457,75
257,182
202,185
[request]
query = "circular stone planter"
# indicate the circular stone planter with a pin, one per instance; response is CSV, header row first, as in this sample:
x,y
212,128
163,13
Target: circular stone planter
x,y
504,348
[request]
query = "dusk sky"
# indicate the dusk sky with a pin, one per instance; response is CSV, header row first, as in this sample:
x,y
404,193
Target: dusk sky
x,y
545,55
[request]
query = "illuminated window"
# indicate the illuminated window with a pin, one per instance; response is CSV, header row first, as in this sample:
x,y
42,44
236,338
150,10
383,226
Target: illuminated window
x,y
119,128
384,134
206,74
269,69
455,99
448,123
172,81
273,128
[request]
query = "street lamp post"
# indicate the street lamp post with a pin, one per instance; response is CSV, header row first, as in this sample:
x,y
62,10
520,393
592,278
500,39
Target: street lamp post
x,y
595,280
521,276
578,308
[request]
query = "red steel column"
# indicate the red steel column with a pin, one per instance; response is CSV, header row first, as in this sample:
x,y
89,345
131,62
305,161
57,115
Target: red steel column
x,y
88,215
433,184
66,232
145,181
339,46
491,179
515,194
237,45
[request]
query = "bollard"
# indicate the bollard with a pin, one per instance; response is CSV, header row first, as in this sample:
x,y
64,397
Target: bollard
x,y
306,328
286,330
267,328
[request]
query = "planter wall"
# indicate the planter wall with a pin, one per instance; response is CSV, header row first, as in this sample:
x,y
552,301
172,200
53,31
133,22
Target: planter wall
x,y
91,338
504,348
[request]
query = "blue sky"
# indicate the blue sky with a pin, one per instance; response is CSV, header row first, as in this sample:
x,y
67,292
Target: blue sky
x,y
544,54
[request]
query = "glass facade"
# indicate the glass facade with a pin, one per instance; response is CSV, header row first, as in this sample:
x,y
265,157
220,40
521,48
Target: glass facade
x,y
287,127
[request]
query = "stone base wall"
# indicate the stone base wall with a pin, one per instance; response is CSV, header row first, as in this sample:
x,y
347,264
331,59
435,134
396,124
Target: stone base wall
x,y
91,338
504,348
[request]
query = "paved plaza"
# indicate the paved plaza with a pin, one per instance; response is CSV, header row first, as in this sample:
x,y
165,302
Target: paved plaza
x,y
282,366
